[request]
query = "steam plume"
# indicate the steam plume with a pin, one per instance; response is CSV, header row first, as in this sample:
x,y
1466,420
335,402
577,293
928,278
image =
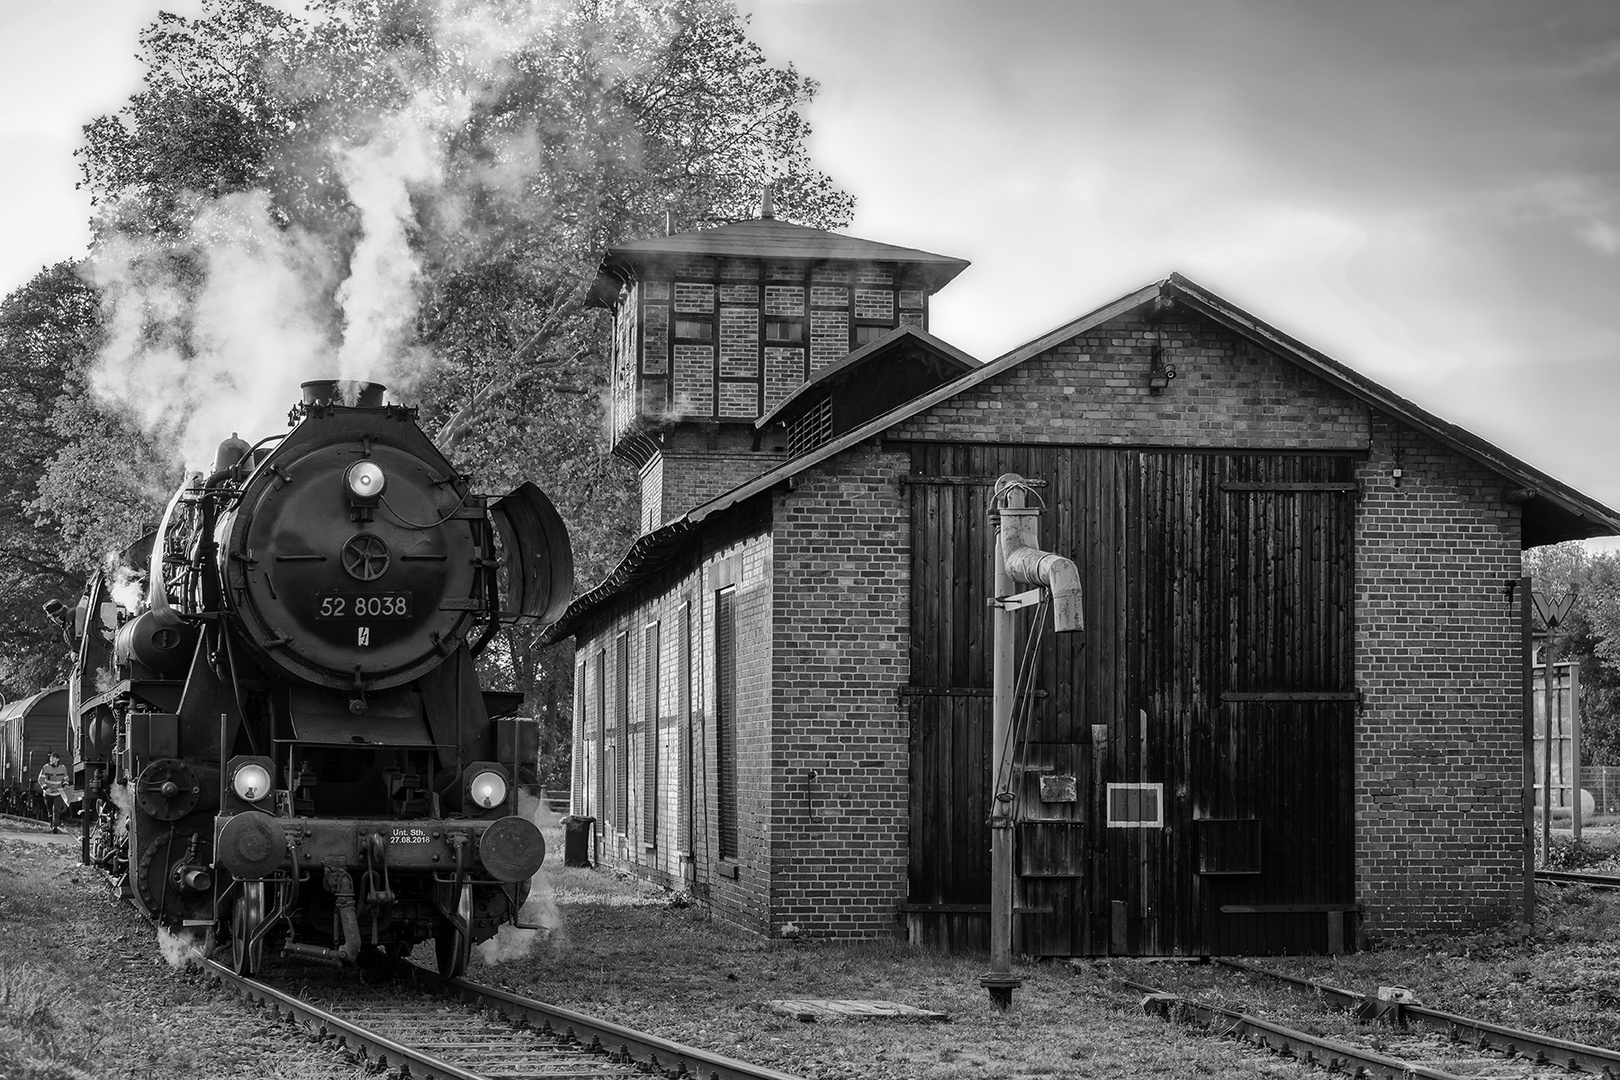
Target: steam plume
x,y
211,332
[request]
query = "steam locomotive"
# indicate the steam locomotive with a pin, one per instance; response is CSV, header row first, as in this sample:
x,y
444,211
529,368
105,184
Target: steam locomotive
x,y
285,743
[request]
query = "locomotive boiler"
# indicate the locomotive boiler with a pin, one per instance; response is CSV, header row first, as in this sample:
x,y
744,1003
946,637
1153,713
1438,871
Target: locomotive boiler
x,y
285,743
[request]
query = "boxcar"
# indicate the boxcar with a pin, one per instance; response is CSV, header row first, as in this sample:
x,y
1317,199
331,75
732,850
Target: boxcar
x,y
29,730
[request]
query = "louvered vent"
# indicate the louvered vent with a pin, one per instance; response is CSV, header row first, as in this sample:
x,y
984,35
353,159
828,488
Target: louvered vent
x,y
813,429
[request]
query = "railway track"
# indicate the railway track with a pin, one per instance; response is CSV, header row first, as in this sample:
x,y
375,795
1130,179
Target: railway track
x,y
461,1030
1567,877
1411,1041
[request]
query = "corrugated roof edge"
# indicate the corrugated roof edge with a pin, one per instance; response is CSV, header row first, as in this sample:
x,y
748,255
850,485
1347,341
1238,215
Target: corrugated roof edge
x,y
1177,285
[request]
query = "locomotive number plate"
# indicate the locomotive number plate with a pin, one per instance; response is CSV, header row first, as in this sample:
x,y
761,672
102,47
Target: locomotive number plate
x,y
362,607
409,836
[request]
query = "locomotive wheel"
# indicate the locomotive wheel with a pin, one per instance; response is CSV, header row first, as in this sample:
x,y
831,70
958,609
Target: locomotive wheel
x,y
452,947
247,915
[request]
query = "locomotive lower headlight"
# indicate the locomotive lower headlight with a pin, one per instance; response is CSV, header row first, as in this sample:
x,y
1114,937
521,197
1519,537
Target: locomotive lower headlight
x,y
251,782
487,789
365,480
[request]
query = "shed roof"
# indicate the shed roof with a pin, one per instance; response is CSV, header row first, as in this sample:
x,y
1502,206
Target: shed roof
x,y
854,367
1553,511
764,238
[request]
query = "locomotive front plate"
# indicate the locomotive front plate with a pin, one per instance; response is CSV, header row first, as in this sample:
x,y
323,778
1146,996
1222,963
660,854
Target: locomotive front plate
x,y
366,607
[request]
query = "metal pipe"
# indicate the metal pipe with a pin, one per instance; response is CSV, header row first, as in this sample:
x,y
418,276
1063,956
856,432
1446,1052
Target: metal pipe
x,y
1000,980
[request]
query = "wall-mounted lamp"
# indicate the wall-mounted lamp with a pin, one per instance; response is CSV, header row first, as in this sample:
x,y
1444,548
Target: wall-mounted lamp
x,y
1159,373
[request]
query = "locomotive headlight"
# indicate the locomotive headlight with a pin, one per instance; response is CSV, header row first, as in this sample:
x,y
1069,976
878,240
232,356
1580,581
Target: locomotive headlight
x,y
251,782
487,789
365,480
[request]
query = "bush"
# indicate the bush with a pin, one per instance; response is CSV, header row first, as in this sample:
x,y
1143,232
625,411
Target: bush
x,y
1569,854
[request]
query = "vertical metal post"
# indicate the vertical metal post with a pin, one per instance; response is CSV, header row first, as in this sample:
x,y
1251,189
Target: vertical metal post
x,y
1575,749
1000,980
1527,738
1550,689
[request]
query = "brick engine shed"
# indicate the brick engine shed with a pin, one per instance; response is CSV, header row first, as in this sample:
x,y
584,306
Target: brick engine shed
x,y
1296,715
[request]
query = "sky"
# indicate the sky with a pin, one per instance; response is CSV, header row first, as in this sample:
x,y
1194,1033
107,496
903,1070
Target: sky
x,y
1428,192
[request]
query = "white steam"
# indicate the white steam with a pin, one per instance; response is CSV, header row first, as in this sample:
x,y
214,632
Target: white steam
x,y
200,349
211,332
404,154
120,797
181,949
126,585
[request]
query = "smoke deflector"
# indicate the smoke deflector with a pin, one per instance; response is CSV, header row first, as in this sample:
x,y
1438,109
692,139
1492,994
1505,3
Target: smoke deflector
x,y
536,576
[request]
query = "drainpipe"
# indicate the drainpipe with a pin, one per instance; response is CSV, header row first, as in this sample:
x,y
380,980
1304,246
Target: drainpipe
x,y
1017,562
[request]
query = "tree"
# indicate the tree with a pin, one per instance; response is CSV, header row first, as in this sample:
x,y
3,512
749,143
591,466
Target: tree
x,y
428,189
47,328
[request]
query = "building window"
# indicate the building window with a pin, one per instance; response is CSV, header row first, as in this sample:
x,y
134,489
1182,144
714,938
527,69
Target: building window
x,y
725,718
1136,806
649,738
694,328
582,724
784,331
683,713
621,736
604,776
865,335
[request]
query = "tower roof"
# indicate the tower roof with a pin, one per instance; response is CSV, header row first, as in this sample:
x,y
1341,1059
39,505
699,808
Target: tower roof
x,y
764,238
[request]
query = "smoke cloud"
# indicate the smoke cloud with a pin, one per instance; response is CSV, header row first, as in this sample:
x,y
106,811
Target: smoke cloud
x,y
211,333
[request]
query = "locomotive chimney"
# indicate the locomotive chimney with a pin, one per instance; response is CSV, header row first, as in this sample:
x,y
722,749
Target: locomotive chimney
x,y
350,392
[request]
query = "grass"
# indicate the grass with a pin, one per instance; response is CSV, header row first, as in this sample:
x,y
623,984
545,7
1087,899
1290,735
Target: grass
x,y
84,996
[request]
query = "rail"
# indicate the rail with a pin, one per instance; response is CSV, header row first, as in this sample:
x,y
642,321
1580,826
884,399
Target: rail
x,y
639,1052
1543,1049
1568,877
1313,1050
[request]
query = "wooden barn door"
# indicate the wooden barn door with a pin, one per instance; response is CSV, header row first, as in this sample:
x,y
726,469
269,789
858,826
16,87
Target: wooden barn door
x,y
1273,763
1185,787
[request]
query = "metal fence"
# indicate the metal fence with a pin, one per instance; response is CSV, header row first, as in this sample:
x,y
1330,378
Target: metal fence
x,y
1602,782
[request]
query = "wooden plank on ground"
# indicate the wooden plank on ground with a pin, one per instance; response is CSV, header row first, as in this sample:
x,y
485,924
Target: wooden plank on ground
x,y
811,1009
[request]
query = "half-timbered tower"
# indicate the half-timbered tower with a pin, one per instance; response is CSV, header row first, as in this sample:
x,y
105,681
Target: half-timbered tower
x,y
1297,713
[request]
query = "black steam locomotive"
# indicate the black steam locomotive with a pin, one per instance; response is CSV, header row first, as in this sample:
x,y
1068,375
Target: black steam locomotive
x,y
286,742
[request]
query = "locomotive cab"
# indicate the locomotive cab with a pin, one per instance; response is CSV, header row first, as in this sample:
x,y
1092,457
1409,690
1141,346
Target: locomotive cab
x,y
300,735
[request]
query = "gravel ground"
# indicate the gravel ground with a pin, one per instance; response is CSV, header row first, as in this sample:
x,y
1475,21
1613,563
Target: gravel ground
x,y
83,993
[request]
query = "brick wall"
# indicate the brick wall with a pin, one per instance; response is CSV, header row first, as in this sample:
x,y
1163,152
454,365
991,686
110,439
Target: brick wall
x,y
697,466
840,759
1438,758
730,376
1093,389
1438,768
736,891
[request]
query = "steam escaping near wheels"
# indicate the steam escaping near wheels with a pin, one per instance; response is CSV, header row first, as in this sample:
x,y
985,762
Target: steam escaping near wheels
x,y
180,948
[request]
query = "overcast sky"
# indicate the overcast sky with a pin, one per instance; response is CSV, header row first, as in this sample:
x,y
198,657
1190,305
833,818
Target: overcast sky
x,y
1426,191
